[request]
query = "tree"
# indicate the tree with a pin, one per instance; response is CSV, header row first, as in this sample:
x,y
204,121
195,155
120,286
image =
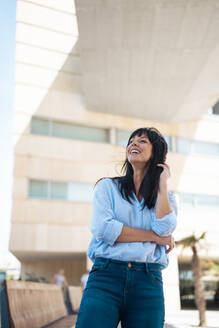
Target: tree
x,y
193,243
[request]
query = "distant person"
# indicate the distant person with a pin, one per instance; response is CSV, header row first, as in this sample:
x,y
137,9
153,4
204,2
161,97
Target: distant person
x,y
133,218
84,279
59,279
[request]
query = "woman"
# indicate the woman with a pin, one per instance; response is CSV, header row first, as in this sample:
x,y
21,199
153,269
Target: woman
x,y
132,222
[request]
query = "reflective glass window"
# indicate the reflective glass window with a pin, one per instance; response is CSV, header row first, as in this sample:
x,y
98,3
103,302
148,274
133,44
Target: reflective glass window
x,y
183,145
187,199
123,137
66,130
38,189
206,148
80,192
39,126
207,200
59,190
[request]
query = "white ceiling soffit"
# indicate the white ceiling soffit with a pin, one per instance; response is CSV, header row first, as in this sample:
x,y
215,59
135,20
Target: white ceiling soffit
x,y
151,59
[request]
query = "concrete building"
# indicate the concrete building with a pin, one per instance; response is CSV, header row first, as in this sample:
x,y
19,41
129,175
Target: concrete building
x,y
87,74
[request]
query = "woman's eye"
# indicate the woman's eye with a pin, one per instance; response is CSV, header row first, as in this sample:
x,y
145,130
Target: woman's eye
x,y
142,141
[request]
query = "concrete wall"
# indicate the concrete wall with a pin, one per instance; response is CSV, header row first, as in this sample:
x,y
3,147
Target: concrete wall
x,y
74,268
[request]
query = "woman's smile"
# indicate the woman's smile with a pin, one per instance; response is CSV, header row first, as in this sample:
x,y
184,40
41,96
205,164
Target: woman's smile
x,y
134,151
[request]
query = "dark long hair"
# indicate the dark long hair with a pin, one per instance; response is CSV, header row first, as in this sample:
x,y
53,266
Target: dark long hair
x,y
150,183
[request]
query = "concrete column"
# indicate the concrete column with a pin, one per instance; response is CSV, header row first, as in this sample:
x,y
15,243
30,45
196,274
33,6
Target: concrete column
x,y
171,285
173,144
112,136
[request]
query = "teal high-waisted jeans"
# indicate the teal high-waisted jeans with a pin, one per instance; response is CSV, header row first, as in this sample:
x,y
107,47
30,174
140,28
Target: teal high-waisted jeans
x,y
130,292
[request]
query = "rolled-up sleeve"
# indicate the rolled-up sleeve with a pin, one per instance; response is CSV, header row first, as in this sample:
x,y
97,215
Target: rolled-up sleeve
x,y
166,225
103,224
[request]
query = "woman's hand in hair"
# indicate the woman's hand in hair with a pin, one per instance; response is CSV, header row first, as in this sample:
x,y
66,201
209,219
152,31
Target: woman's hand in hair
x,y
166,241
165,174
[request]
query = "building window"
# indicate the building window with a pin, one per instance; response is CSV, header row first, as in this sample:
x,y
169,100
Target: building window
x,y
123,137
206,148
195,200
68,130
58,190
215,108
69,191
207,200
38,189
187,200
183,146
39,126
186,146
96,134
80,192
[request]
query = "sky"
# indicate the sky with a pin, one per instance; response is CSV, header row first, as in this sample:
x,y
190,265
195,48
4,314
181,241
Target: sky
x,y
7,67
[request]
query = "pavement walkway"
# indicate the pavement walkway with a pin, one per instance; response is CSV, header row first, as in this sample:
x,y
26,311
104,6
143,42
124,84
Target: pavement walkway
x,y
190,319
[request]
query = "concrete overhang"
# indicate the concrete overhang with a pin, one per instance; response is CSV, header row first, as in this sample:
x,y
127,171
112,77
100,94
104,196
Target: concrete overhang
x,y
32,256
155,59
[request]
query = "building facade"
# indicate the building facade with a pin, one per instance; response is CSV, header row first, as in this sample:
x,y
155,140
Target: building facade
x,y
61,149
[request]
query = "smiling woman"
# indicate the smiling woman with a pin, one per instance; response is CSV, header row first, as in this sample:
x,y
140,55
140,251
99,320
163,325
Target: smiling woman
x,y
133,218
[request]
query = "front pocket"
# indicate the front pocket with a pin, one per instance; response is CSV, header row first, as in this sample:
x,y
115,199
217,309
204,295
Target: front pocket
x,y
99,266
96,267
156,276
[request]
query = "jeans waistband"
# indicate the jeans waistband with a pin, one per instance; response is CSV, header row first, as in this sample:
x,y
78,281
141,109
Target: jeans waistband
x,y
130,264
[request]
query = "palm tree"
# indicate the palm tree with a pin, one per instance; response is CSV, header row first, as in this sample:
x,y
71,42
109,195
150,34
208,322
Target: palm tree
x,y
192,242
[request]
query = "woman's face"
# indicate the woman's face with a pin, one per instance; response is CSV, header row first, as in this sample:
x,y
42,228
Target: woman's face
x,y
139,150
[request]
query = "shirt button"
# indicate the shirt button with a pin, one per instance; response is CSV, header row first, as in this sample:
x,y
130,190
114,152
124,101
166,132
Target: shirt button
x,y
129,265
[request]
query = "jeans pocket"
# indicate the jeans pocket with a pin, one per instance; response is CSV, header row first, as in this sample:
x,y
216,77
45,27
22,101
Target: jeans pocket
x,y
96,267
99,266
156,276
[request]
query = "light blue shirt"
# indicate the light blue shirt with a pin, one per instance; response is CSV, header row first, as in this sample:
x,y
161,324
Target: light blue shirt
x,y
111,211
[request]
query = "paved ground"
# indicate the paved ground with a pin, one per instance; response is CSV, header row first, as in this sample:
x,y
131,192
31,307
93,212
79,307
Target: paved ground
x,y
189,319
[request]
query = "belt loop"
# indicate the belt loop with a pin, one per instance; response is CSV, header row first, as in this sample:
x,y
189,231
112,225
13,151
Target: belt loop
x,y
146,267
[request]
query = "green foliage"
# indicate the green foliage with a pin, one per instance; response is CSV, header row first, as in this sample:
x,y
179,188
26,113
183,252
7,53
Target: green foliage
x,y
190,241
9,276
32,277
213,266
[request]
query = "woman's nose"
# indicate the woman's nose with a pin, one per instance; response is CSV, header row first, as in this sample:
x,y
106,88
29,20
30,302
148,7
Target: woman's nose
x,y
134,142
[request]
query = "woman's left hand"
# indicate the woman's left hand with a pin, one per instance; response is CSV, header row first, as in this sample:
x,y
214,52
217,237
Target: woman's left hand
x,y
165,174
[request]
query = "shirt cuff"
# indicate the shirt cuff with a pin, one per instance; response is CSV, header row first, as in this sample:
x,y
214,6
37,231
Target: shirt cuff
x,y
112,232
165,225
